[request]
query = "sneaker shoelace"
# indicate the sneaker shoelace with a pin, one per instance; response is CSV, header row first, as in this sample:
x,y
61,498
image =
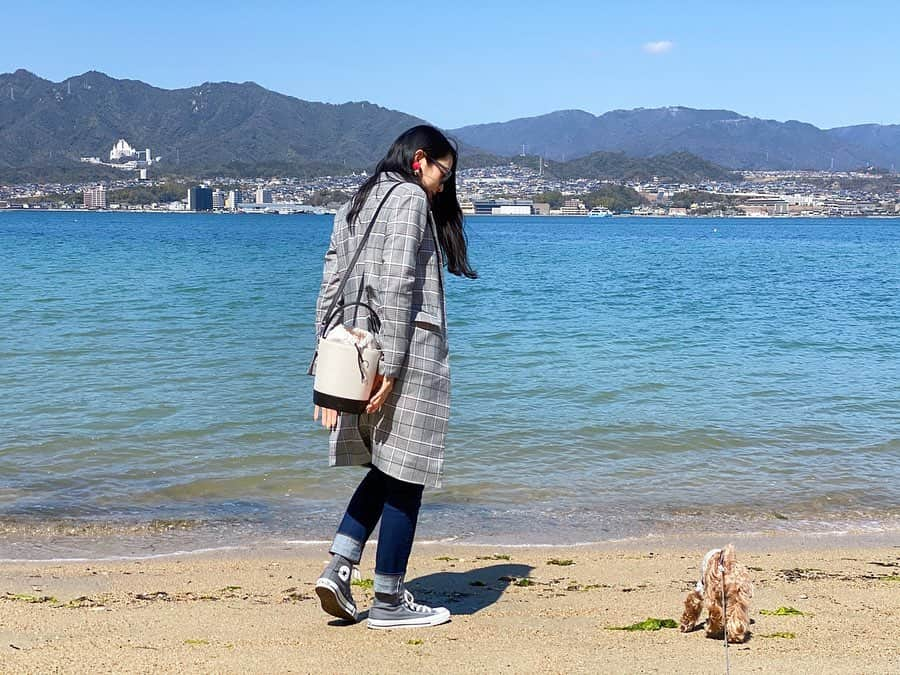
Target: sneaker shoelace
x,y
412,604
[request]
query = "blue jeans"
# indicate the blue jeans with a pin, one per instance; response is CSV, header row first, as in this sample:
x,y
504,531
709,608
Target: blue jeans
x,y
397,503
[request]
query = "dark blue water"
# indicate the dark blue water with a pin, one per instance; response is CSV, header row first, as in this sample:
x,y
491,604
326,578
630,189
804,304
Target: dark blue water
x,y
611,377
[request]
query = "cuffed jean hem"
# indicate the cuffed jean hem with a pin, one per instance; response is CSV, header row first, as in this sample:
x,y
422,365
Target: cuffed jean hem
x,y
348,547
388,584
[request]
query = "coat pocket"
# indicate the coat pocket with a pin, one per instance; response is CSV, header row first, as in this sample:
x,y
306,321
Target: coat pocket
x,y
428,316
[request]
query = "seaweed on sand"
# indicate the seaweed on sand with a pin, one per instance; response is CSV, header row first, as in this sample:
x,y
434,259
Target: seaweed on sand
x,y
648,624
782,611
24,597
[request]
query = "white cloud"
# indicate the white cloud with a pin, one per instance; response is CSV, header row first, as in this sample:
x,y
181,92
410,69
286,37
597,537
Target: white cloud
x,y
660,47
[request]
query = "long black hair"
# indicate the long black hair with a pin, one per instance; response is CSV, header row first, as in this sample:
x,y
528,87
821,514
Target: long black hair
x,y
444,206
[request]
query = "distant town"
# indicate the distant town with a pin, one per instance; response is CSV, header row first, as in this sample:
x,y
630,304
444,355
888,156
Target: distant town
x,y
500,190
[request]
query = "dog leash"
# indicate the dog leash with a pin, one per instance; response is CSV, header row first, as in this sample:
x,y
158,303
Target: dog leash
x,y
724,614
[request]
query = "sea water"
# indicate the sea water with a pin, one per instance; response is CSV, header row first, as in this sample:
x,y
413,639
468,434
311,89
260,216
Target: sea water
x,y
612,378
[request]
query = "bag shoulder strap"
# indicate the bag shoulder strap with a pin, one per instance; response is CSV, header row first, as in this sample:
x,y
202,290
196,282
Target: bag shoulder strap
x,y
338,296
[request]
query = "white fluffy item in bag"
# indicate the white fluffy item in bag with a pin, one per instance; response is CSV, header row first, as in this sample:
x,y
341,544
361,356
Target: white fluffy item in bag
x,y
357,337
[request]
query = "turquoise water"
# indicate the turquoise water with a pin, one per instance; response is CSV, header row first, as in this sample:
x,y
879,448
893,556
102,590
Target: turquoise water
x,y
611,378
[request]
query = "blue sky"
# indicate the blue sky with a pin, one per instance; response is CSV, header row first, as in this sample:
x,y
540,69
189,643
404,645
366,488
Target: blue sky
x,y
457,63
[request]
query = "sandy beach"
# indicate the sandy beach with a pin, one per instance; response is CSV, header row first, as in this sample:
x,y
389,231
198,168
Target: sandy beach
x,y
239,612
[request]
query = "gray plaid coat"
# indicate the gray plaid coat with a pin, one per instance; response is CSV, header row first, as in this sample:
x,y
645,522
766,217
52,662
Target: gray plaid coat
x,y
400,275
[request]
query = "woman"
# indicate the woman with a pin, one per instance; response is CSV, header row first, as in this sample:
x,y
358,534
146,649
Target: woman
x,y
401,435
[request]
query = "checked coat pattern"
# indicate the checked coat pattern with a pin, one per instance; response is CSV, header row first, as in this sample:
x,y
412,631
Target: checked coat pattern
x,y
400,275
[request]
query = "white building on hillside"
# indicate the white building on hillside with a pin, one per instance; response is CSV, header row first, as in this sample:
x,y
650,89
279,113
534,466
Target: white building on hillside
x,y
122,150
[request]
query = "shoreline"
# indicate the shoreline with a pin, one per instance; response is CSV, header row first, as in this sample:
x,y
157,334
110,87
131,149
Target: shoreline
x,y
80,546
481,215
256,611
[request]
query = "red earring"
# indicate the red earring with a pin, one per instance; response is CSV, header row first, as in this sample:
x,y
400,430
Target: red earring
x,y
416,166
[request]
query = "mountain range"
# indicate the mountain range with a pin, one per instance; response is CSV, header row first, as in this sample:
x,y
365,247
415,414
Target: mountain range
x,y
208,127
245,129
720,136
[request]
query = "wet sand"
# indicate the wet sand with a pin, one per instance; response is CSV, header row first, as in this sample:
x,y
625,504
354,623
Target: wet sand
x,y
238,612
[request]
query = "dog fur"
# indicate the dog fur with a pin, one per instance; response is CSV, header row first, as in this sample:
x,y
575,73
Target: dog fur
x,y
707,594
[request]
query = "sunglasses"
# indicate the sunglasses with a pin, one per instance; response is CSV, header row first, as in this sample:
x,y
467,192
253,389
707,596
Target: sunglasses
x,y
446,172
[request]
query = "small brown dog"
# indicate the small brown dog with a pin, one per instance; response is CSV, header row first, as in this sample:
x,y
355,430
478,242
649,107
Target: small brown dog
x,y
720,567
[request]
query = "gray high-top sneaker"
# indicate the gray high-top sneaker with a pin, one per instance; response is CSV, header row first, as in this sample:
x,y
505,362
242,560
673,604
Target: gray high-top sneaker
x,y
333,589
403,612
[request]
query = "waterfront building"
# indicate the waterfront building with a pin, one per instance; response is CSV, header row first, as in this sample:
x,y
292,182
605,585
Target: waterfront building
x,y
218,200
200,199
769,206
841,206
281,208
512,207
647,210
233,200
484,207
505,207
263,196
573,207
95,198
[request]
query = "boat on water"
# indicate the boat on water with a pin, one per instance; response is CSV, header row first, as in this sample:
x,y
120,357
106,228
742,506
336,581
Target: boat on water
x,y
599,212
